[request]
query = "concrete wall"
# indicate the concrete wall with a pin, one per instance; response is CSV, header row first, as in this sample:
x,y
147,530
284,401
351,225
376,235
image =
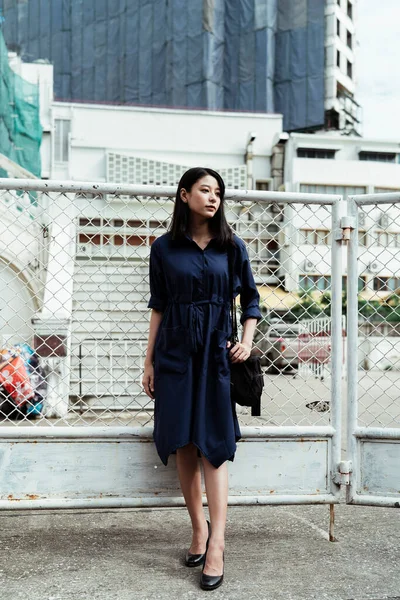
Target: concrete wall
x,y
188,137
346,168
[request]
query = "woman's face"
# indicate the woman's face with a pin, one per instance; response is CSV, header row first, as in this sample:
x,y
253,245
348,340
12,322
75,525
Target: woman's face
x,y
204,197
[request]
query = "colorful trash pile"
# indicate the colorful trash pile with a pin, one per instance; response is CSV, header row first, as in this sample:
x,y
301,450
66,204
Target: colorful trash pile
x,y
23,385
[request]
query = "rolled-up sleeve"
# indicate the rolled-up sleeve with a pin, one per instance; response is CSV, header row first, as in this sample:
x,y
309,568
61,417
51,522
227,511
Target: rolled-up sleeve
x,y
158,298
249,296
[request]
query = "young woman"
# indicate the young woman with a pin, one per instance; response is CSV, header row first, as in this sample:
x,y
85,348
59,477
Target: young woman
x,y
187,368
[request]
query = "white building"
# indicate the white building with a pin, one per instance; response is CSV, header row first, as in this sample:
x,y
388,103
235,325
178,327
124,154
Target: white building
x,y
342,112
328,163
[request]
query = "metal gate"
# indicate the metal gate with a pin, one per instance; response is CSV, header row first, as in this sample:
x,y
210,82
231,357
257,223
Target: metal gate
x,y
373,416
74,267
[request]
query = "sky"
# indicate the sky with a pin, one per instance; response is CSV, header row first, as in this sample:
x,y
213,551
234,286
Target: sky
x,y
378,67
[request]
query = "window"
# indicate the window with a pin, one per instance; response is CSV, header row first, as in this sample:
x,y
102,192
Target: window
x,y
338,27
315,153
315,282
382,239
362,238
61,140
338,58
323,282
343,190
306,236
378,156
362,282
383,190
102,231
263,185
349,69
388,240
349,39
315,237
349,9
386,284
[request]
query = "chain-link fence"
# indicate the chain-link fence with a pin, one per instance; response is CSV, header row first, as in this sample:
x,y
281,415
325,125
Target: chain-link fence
x,y
373,369
74,317
378,307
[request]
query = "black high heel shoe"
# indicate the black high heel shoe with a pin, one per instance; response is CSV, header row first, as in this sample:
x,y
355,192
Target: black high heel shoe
x,y
211,582
195,560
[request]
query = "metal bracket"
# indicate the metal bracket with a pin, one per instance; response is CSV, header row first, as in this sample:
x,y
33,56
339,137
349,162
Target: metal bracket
x,y
347,224
342,476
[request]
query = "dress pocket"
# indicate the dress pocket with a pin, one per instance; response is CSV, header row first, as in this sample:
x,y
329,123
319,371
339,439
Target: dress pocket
x,y
221,352
172,352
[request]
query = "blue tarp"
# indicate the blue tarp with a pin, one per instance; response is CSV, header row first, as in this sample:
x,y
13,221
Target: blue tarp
x,y
299,63
248,55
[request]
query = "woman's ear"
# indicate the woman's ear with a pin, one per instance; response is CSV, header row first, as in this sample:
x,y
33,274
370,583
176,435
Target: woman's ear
x,y
183,195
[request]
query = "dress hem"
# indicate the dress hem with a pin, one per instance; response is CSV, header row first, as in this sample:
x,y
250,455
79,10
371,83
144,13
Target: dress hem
x,y
173,451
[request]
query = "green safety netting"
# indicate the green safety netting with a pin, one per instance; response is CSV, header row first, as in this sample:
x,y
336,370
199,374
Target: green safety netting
x,y
20,129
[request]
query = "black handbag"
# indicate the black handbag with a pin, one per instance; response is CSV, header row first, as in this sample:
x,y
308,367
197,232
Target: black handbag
x,y
247,379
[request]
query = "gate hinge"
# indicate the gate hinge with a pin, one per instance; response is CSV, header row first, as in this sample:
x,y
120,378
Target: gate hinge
x,y
346,225
342,476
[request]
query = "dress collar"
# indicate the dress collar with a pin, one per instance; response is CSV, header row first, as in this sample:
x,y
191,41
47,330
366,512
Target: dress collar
x,y
189,237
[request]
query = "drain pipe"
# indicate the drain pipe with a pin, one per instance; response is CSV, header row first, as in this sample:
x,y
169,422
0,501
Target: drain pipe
x,y
249,160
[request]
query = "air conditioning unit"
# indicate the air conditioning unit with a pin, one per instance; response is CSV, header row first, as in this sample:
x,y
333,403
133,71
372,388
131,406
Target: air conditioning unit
x,y
361,219
384,221
374,266
308,266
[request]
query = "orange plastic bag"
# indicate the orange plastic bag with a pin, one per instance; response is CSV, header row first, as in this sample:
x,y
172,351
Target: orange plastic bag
x,y
14,378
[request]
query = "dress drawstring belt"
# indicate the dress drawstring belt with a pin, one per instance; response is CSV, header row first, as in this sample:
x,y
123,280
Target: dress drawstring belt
x,y
196,321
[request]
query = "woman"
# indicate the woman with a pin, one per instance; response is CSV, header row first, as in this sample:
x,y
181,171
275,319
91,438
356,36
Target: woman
x,y
186,367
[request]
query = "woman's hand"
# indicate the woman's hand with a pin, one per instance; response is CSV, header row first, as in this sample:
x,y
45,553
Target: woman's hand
x,y
240,352
148,380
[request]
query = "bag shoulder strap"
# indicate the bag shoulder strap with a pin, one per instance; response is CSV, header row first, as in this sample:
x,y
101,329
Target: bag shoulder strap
x,y
234,336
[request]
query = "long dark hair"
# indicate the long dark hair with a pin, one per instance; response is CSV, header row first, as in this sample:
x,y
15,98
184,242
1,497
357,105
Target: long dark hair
x,y
218,224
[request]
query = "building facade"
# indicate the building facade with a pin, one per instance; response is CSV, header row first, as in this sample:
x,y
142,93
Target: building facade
x,y
259,55
342,112
345,165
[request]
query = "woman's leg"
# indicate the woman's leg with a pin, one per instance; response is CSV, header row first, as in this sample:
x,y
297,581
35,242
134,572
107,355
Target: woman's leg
x,y
216,481
190,480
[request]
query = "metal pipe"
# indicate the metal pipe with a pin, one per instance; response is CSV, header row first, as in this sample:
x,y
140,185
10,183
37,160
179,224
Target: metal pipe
x,y
80,379
158,502
48,186
390,502
337,346
352,347
389,433
390,198
146,432
332,523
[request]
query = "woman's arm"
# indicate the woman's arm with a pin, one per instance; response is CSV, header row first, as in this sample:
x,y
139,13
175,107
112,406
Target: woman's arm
x,y
148,374
249,328
249,301
157,302
242,350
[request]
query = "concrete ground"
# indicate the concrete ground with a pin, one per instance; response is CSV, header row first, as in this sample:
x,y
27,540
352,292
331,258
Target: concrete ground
x,y
272,553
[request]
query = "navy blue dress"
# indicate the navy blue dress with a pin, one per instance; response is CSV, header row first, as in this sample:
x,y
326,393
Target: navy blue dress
x,y
191,363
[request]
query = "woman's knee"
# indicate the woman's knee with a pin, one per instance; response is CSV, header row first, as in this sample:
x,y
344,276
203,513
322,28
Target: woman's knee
x,y
187,450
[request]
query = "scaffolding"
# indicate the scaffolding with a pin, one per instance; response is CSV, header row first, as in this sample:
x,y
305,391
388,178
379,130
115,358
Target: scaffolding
x,y
20,129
